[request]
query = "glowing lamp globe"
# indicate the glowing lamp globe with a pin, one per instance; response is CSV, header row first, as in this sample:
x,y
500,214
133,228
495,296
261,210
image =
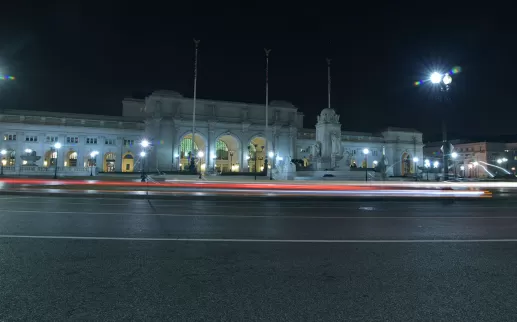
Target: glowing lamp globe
x,y
447,79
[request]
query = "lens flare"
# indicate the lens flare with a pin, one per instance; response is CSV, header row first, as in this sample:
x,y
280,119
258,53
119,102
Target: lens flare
x,y
455,70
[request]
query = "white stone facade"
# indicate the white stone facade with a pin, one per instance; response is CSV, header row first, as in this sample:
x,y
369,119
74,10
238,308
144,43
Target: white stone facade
x,y
230,135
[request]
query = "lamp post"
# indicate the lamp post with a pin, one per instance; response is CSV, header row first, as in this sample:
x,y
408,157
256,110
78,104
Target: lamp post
x,y
444,81
255,156
177,158
57,146
271,154
231,161
200,156
142,156
415,163
366,151
462,169
93,154
3,153
427,165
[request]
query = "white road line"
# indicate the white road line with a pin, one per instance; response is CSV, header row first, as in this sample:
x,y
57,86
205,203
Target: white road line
x,y
7,211
239,240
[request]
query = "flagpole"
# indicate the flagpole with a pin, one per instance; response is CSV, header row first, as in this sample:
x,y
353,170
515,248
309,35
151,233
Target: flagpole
x,y
267,104
328,79
196,44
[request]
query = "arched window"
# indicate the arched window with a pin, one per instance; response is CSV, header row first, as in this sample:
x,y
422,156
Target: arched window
x,y
9,159
221,150
72,159
186,147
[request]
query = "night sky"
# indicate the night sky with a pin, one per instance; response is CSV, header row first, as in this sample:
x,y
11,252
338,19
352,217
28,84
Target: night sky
x,y
85,58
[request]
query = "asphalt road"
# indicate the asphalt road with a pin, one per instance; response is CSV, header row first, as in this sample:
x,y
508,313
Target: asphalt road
x,y
251,260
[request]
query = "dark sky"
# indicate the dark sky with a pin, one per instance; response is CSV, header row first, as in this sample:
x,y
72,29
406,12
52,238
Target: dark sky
x,y
86,57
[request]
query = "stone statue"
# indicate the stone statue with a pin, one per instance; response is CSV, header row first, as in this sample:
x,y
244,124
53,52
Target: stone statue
x,y
317,149
336,144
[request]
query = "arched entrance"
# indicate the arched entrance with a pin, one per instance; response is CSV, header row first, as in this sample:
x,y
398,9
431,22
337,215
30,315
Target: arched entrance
x,y
406,164
128,162
9,159
188,149
256,151
227,154
50,158
71,159
109,162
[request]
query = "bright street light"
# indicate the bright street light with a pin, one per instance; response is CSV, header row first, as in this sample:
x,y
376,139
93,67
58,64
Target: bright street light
x,y
447,79
280,159
271,154
366,151
3,152
200,154
415,159
436,78
436,164
57,145
93,154
462,168
375,162
144,143
499,161
142,154
454,155
505,159
28,151
427,163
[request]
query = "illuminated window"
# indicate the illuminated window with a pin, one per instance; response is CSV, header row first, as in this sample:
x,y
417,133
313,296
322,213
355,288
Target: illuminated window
x,y
91,140
10,137
221,150
186,147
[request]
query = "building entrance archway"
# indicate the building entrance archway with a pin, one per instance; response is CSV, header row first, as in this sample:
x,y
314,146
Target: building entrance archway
x,y
128,162
109,162
256,151
227,153
189,149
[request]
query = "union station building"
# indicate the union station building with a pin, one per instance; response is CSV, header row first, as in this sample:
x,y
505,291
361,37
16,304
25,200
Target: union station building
x,y
230,135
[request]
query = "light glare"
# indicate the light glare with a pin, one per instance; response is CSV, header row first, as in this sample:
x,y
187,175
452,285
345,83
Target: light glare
x,y
436,78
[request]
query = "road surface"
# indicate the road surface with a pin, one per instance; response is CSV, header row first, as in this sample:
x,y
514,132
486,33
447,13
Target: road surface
x,y
251,260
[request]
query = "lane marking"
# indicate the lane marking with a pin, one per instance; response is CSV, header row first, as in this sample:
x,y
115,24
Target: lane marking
x,y
41,212
239,240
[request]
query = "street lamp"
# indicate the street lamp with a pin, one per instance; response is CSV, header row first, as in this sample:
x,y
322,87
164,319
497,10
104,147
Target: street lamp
x,y
271,154
462,168
427,165
415,163
144,143
3,153
57,146
231,161
444,81
366,151
142,155
93,154
200,155
177,157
